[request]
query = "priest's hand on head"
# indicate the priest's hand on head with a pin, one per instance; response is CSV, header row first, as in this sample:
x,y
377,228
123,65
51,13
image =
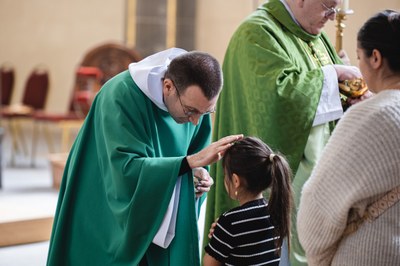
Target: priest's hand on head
x,y
213,152
202,181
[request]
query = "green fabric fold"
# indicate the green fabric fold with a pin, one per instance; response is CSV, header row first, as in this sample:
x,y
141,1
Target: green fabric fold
x,y
118,182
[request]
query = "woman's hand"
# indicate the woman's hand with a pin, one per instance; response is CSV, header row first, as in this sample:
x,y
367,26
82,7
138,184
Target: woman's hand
x,y
212,153
366,95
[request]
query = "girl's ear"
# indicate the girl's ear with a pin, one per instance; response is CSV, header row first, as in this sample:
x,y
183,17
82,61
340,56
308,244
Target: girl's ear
x,y
236,180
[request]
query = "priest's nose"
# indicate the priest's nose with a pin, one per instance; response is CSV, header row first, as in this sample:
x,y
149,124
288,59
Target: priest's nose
x,y
194,119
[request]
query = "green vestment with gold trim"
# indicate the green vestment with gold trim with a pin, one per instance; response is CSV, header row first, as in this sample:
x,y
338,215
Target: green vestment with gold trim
x,y
272,86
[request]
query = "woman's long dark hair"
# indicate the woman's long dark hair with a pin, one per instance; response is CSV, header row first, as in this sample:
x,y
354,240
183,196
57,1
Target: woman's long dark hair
x,y
382,32
251,159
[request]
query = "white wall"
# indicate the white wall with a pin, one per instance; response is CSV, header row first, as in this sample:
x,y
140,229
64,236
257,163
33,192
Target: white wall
x,y
57,34
216,22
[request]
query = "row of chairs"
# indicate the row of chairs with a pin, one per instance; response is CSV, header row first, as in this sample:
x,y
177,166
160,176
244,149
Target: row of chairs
x,y
98,65
33,99
33,103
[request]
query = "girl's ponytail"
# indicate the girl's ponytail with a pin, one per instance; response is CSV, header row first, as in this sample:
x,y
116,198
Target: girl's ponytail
x,y
281,198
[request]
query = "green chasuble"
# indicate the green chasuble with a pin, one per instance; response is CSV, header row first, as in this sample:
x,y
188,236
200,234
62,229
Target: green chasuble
x,y
272,86
118,182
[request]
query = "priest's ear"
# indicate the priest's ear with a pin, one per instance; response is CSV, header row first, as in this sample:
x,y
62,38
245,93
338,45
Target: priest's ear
x,y
168,86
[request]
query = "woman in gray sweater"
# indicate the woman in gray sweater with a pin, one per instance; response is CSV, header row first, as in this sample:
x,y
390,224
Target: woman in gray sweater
x,y
350,211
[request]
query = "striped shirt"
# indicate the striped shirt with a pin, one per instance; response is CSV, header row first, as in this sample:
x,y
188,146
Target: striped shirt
x,y
244,236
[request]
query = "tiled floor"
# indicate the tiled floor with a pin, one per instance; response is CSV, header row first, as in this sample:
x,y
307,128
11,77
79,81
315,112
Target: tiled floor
x,y
24,255
26,193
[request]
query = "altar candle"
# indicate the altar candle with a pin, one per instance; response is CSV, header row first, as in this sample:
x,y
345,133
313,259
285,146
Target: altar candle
x,y
345,4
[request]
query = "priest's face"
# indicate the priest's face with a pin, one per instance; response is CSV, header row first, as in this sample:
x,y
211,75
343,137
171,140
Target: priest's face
x,y
313,14
187,106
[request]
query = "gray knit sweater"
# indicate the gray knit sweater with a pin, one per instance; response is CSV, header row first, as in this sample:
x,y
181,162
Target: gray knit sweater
x,y
359,165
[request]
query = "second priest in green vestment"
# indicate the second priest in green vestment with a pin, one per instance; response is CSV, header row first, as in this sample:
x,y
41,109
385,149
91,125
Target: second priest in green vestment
x,y
273,80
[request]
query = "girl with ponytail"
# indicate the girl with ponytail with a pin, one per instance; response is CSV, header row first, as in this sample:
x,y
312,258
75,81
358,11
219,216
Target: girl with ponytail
x,y
252,233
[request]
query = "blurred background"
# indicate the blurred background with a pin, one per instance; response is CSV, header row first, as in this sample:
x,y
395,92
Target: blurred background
x,y
59,33
55,55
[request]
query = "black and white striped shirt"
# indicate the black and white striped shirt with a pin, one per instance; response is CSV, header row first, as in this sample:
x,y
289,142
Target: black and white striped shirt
x,y
244,236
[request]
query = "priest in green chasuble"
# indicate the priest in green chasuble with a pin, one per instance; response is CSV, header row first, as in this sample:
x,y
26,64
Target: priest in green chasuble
x,y
128,195
281,78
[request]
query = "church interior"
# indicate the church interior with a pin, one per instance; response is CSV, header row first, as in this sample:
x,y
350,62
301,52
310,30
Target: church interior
x,y
54,58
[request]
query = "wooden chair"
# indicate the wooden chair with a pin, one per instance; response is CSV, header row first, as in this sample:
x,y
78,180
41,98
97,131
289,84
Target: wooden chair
x,y
110,58
98,65
87,84
34,99
6,90
7,77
